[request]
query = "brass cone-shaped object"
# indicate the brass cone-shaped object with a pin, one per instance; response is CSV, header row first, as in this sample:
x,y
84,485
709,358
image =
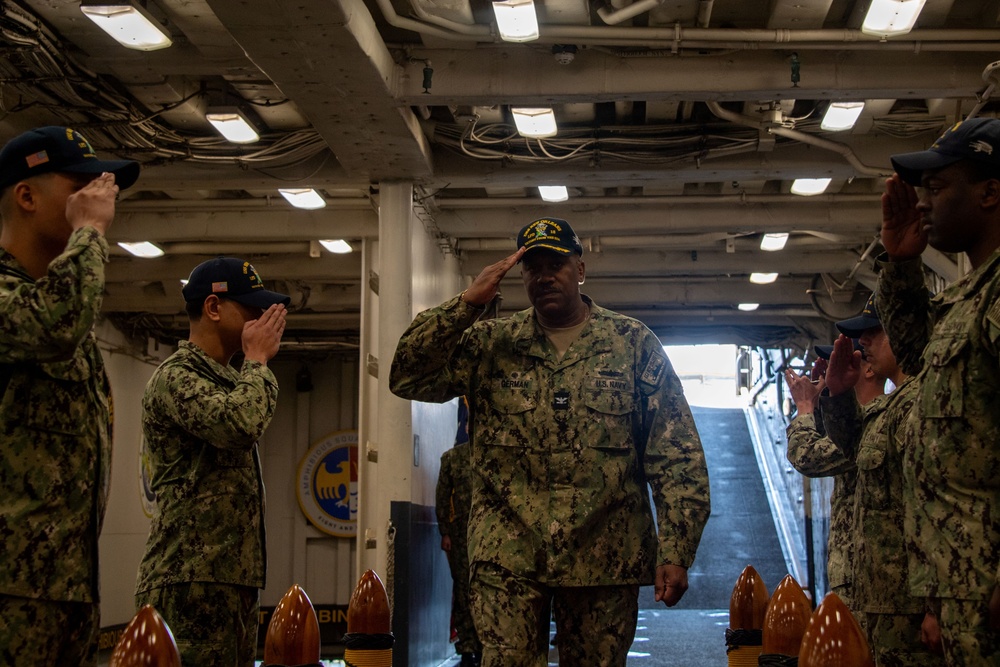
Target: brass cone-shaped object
x,y
748,603
368,610
833,638
786,619
146,642
293,633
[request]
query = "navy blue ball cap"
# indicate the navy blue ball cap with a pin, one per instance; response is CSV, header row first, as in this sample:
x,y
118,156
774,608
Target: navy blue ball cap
x,y
976,139
855,326
58,149
230,278
552,234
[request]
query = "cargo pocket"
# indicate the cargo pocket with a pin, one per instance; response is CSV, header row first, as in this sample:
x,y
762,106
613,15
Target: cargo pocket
x,y
942,384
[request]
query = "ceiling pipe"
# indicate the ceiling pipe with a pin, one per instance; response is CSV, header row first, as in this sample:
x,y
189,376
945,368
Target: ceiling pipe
x,y
167,205
614,17
802,137
677,35
658,200
647,241
705,13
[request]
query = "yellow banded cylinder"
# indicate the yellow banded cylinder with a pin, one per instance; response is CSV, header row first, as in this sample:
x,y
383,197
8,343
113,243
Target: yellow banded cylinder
x,y
744,656
363,658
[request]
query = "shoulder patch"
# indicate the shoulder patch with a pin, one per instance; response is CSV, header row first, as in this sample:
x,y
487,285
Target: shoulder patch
x,y
993,314
652,374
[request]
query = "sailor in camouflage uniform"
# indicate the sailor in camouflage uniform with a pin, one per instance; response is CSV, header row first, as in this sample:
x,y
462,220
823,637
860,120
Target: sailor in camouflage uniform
x,y
952,343
57,200
873,437
205,557
453,496
575,409
813,454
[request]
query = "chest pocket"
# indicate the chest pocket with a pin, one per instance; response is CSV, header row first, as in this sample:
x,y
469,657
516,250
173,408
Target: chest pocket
x,y
873,478
512,408
53,394
942,386
611,410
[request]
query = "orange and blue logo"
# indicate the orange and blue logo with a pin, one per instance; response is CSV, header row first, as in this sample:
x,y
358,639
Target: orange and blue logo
x,y
327,484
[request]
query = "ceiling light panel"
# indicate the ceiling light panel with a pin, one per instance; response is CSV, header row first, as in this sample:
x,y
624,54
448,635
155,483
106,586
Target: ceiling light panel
x,y
516,20
128,24
534,122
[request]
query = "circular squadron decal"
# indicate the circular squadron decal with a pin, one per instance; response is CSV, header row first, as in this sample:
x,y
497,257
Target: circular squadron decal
x,y
327,484
146,493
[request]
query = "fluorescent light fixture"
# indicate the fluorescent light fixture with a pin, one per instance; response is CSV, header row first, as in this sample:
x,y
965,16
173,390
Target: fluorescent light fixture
x,y
807,187
127,23
538,123
772,242
841,116
891,17
143,249
748,307
338,246
306,198
763,278
233,125
553,192
516,20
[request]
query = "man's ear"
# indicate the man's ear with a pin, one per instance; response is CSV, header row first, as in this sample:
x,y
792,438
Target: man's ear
x,y
24,196
210,309
581,272
991,193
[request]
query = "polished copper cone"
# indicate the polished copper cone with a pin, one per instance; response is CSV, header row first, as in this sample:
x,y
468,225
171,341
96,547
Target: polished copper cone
x,y
748,603
146,642
786,619
368,610
833,638
293,633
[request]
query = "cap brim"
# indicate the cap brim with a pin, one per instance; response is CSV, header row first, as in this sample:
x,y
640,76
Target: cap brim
x,y
856,326
260,298
549,246
911,166
126,171
823,351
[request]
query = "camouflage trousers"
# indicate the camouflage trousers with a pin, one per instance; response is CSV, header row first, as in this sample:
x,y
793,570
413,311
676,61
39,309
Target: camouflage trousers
x,y
47,632
461,610
595,625
214,625
966,636
895,640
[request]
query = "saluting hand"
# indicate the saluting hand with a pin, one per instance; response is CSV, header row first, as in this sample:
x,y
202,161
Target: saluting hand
x,y
804,393
262,337
93,205
844,369
903,234
487,283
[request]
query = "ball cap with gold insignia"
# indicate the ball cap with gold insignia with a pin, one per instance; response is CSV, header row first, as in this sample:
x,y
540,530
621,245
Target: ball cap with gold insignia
x,y
233,279
58,149
868,319
977,139
552,234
